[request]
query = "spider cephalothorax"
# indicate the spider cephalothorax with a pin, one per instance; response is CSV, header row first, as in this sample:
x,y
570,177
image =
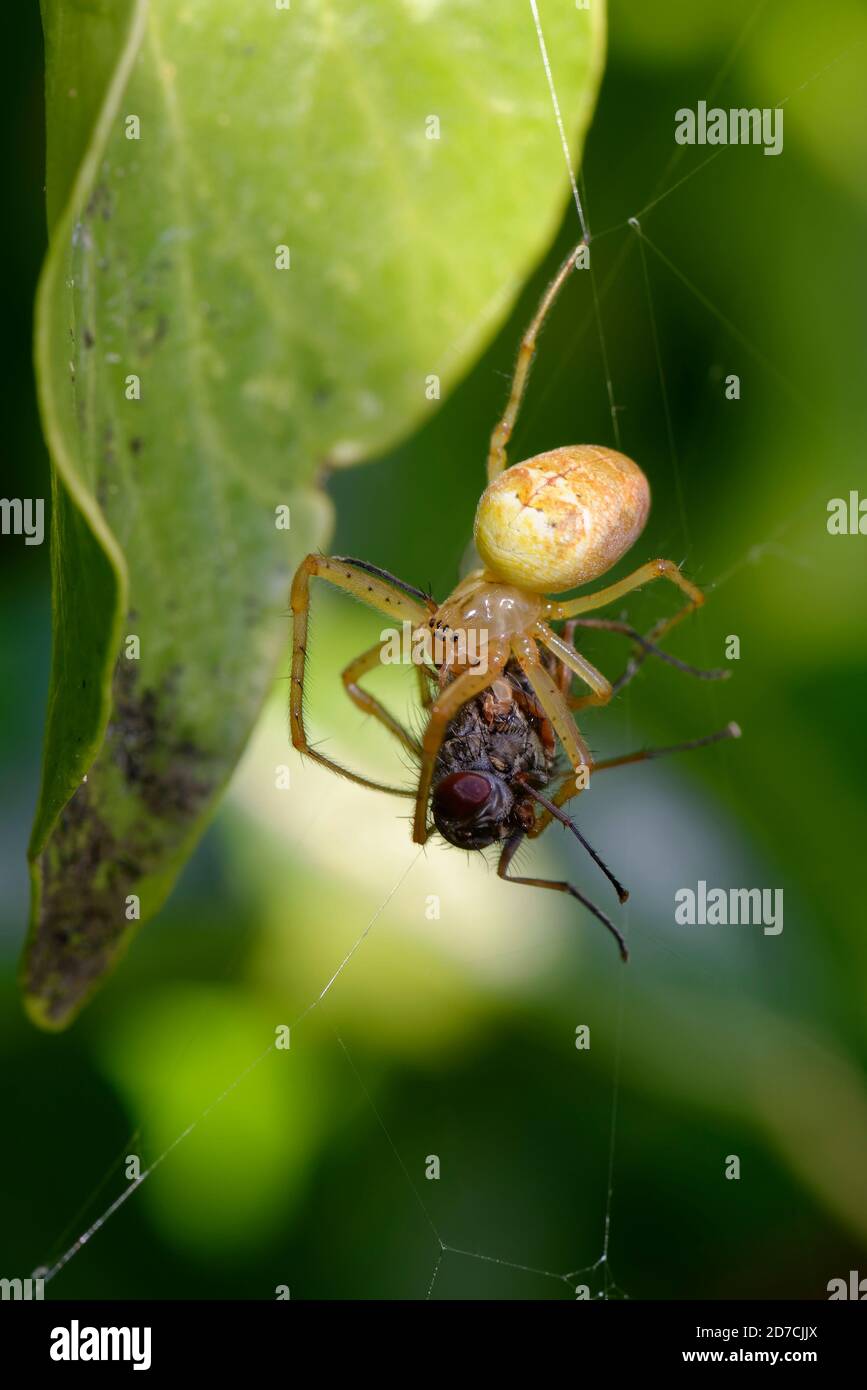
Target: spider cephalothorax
x,y
503,694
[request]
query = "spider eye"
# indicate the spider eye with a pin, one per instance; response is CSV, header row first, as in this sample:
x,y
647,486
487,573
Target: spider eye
x,y
461,795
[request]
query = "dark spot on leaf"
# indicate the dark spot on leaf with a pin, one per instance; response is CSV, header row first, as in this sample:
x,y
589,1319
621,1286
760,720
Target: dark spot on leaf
x,y
81,920
110,836
99,204
164,769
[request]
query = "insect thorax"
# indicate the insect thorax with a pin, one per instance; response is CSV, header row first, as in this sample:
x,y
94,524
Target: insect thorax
x,y
498,732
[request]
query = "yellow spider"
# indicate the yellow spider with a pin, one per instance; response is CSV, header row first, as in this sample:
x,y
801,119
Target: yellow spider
x,y
551,524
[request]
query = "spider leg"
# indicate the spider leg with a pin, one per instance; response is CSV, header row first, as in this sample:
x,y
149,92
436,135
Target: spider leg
x,y
731,730
559,886
386,595
569,789
654,569
444,708
553,702
554,810
563,674
389,578
368,661
526,353
637,660
426,678
578,665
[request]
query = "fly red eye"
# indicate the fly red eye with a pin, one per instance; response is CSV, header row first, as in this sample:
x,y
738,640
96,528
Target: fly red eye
x,y
461,795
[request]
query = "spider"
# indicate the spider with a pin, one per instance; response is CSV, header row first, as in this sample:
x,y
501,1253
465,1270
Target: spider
x,y
558,521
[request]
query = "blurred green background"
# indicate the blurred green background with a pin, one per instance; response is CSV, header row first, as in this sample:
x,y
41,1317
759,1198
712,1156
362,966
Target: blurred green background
x,y
456,1036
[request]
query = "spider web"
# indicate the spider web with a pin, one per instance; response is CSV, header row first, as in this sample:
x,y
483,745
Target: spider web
x,y
599,1270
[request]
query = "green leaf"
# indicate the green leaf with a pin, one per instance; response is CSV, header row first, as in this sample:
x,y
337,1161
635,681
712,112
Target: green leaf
x,y
257,128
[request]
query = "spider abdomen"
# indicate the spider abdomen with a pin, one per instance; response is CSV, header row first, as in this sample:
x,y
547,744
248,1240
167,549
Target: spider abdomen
x,y
562,518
